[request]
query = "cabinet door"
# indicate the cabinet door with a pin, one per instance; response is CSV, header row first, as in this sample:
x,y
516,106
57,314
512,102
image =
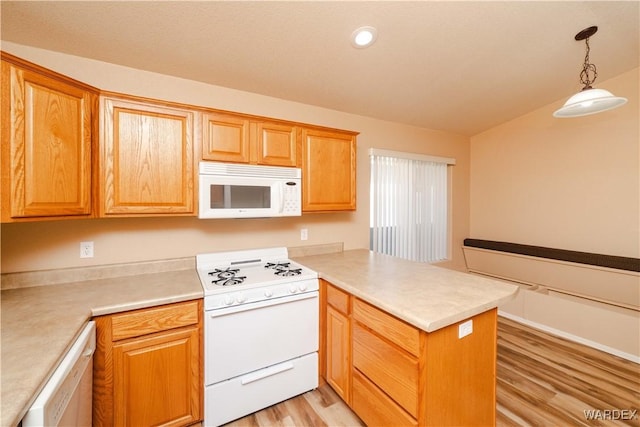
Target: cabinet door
x,y
338,352
156,379
276,144
235,138
146,159
225,138
329,171
46,145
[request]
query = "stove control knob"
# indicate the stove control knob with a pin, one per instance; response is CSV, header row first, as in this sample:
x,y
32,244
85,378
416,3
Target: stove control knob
x,y
241,298
228,300
268,293
302,287
293,289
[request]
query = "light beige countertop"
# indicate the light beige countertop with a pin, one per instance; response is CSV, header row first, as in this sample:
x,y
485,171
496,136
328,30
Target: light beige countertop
x,y
423,295
40,323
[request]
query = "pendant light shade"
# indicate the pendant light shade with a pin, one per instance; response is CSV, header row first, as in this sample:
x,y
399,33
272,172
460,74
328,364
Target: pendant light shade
x,y
588,100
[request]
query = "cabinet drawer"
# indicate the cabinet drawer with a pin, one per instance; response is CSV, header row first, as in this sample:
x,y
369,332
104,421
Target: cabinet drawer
x,y
391,369
395,330
374,407
338,299
148,321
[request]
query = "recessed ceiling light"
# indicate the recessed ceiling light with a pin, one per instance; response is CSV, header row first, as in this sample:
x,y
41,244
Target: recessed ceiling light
x,y
363,37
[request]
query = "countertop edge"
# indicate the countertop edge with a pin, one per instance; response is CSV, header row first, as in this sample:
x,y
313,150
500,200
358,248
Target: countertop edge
x,y
113,309
415,321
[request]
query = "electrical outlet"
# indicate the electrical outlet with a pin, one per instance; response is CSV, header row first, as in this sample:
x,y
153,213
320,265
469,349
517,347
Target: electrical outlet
x,y
86,249
465,328
304,234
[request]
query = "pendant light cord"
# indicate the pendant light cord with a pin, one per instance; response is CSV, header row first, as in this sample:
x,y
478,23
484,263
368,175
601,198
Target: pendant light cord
x,y
586,69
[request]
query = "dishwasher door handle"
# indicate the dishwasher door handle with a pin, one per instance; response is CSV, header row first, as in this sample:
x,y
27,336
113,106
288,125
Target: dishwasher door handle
x,y
267,372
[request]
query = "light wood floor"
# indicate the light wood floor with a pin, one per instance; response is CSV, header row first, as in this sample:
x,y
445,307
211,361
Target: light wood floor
x,y
542,381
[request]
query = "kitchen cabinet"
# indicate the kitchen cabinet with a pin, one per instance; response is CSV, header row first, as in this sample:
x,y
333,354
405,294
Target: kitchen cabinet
x,y
338,341
328,170
401,375
148,366
241,139
385,354
145,161
48,123
146,158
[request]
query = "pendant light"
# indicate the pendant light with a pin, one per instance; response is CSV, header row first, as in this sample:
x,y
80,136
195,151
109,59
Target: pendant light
x,y
588,100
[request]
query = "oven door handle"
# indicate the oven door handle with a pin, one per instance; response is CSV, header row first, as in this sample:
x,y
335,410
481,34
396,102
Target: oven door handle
x,y
261,304
267,372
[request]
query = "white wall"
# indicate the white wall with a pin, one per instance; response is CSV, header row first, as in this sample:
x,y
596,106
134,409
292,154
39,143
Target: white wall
x,y
570,184
562,183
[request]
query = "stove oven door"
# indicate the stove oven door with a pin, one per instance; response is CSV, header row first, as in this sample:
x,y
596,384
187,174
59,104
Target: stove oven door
x,y
249,337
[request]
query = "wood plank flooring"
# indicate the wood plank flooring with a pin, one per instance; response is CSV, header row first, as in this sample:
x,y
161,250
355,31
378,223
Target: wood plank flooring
x,y
319,407
543,380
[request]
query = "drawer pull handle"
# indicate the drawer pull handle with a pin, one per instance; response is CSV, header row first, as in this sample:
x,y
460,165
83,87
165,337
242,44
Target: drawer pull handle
x,y
267,372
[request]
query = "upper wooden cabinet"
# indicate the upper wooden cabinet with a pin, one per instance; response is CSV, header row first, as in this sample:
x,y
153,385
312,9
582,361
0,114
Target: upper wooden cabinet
x,y
328,170
144,163
146,158
240,139
48,123
225,138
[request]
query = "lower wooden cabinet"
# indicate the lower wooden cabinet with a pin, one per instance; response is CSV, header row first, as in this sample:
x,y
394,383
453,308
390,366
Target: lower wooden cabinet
x,y
338,358
375,407
147,367
335,338
393,370
397,374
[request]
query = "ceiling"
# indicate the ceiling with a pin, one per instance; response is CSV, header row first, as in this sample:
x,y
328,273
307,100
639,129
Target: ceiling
x,y
456,66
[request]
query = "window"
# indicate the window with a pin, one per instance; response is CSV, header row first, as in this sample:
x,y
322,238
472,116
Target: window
x,y
409,205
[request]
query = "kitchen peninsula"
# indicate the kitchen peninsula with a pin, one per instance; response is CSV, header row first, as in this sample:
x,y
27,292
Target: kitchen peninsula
x,y
409,343
426,298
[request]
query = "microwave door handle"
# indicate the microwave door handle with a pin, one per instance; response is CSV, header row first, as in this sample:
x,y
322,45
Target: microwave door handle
x,y
282,184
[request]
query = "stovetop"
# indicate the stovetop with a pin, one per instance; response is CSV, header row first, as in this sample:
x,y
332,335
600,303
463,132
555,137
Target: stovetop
x,y
237,271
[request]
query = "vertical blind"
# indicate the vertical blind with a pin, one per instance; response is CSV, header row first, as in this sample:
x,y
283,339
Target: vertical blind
x,y
409,206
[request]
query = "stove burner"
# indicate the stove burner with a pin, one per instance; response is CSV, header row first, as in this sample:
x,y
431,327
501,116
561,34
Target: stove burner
x,y
283,269
226,277
277,265
289,272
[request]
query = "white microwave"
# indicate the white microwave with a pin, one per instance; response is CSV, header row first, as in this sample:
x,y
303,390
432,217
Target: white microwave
x,y
229,190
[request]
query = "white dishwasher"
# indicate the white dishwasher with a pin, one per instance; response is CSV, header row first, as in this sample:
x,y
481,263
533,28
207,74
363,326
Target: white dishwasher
x,y
66,398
